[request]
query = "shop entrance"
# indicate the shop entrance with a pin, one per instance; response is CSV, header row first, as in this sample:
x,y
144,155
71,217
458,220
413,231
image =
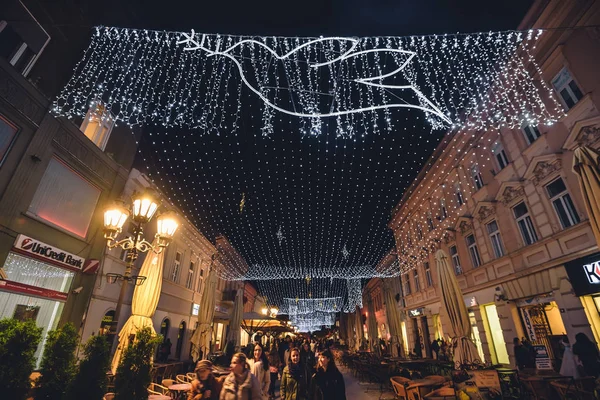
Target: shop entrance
x,y
544,326
180,336
426,337
418,338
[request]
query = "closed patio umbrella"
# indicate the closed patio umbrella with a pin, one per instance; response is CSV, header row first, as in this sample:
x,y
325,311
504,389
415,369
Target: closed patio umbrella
x,y
585,165
454,304
143,304
350,330
235,322
393,319
372,327
359,328
202,335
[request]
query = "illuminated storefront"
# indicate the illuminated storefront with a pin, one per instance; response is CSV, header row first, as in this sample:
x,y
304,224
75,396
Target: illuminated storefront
x,y
584,275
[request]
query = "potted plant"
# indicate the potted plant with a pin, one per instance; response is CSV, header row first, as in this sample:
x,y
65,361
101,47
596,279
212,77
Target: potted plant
x,y
18,343
133,373
90,380
58,363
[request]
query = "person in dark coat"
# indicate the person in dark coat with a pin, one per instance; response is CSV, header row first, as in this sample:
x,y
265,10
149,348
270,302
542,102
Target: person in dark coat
x,y
587,353
522,355
293,379
205,386
327,383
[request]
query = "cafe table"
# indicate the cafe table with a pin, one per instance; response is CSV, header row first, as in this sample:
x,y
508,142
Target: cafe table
x,y
158,397
425,385
180,389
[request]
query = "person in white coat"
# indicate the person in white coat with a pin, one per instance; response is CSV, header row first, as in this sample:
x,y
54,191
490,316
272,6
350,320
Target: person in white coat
x,y
259,366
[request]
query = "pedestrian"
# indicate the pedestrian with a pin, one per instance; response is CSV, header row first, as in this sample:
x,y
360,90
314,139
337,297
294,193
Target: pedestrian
x,y
307,359
259,366
205,385
240,384
587,355
274,364
327,382
293,379
522,355
568,366
435,347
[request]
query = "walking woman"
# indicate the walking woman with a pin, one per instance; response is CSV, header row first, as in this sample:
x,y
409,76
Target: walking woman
x,y
293,379
327,382
587,353
240,384
274,364
259,366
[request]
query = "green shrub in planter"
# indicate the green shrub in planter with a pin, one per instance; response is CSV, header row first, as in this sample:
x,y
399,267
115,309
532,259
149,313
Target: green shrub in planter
x,y
133,373
18,343
58,363
90,381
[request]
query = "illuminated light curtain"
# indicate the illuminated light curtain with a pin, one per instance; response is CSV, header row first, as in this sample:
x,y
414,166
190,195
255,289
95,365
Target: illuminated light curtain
x,y
359,332
372,327
202,335
143,304
586,167
453,304
235,322
393,319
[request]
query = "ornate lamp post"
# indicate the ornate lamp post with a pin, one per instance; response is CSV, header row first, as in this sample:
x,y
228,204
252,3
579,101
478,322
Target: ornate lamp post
x,y
144,206
270,311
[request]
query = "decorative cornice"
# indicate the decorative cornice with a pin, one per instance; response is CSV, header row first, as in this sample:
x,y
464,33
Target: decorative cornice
x,y
589,135
485,212
464,226
512,193
543,169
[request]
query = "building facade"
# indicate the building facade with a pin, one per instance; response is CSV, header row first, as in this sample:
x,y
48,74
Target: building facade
x,y
508,210
56,177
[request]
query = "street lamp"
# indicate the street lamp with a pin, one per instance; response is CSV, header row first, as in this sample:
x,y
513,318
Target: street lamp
x,y
270,311
144,206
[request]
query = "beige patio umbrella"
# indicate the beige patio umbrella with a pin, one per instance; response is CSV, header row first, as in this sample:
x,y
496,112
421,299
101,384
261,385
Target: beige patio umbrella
x,y
350,330
201,337
342,328
454,304
585,165
359,328
235,322
393,319
143,304
372,327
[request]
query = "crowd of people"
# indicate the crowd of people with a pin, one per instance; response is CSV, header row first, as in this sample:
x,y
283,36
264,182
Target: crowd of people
x,y
306,371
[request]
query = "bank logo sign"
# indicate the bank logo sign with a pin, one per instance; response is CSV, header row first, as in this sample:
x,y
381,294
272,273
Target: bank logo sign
x,y
592,271
43,251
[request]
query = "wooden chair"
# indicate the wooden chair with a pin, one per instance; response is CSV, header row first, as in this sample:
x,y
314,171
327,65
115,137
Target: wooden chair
x,y
538,388
108,396
399,385
568,391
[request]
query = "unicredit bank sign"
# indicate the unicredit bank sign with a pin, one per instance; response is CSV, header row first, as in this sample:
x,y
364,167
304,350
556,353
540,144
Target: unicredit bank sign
x,y
584,274
44,252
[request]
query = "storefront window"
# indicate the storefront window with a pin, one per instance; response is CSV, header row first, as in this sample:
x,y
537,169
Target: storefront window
x,y
475,335
36,273
496,334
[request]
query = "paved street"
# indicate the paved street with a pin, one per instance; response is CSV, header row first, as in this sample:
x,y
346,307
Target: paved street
x,y
358,391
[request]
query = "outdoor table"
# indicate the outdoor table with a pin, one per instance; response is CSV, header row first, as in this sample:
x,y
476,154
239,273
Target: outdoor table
x,y
425,385
441,393
180,389
158,397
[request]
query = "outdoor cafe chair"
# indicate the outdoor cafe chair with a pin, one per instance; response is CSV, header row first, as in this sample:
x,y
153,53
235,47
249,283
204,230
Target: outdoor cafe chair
x,y
108,396
155,388
168,382
182,378
568,390
191,376
399,385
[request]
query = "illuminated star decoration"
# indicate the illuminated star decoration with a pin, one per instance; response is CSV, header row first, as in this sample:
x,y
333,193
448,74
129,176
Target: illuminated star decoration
x,y
242,202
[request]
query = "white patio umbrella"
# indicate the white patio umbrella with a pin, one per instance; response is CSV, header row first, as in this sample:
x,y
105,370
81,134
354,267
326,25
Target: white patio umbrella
x,y
372,327
585,165
235,322
203,333
350,330
359,328
143,304
454,304
393,319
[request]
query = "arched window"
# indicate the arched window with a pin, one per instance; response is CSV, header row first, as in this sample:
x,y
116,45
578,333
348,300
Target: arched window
x,y
180,336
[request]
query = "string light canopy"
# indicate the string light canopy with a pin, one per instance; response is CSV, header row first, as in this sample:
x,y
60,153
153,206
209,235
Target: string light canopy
x,y
296,149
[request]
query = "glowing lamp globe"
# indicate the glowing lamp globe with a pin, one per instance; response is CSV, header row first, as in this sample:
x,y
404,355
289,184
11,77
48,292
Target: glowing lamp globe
x,y
274,312
144,205
167,224
265,310
115,217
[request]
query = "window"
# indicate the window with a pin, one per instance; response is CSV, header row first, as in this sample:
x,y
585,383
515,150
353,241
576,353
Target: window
x,y
8,132
189,283
419,231
65,199
14,49
531,133
566,87
455,260
416,278
406,285
525,224
428,276
476,175
176,267
430,221
459,196
563,205
494,232
98,124
500,155
473,251
443,210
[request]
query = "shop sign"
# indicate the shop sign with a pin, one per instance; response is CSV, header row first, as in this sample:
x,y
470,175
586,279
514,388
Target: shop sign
x,y
416,312
195,309
45,252
528,324
90,267
32,290
542,359
584,274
